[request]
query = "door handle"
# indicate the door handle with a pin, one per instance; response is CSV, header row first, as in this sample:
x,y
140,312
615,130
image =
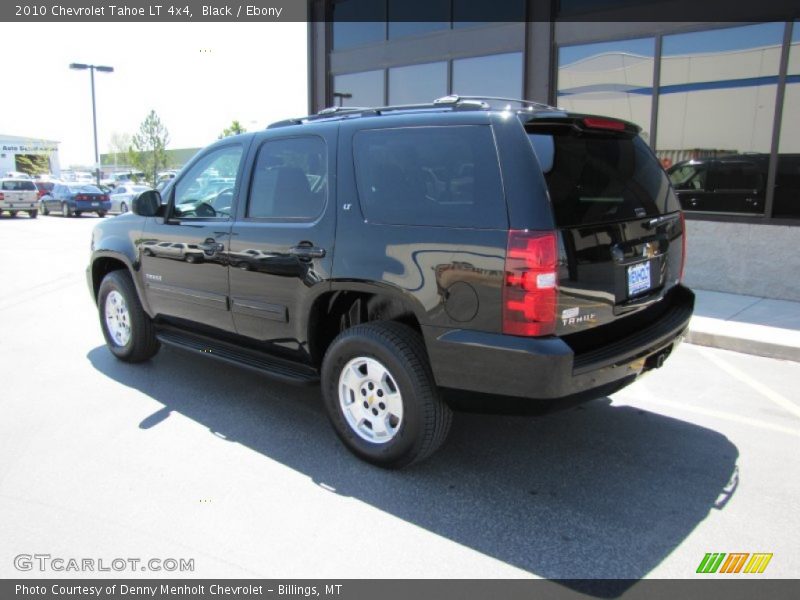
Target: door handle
x,y
306,251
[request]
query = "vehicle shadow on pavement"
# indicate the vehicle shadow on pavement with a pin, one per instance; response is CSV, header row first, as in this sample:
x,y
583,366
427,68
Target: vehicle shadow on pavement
x,y
599,491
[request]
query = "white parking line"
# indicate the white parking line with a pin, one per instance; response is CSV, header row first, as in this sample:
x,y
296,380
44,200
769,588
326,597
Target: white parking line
x,y
759,387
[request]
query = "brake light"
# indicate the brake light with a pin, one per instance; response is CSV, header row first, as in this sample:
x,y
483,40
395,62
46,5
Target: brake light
x,y
601,123
683,246
530,286
104,198
2,196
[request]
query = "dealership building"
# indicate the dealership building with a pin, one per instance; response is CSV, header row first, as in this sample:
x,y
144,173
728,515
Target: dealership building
x,y
699,91
16,153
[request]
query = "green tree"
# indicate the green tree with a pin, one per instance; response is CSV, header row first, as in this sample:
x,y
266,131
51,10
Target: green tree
x,y
34,164
235,128
149,149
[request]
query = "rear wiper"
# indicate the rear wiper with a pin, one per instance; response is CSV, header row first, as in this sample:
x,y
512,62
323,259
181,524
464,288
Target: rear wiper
x,y
660,220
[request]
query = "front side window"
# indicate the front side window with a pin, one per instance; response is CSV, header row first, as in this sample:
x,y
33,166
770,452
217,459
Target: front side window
x,y
290,180
438,176
207,190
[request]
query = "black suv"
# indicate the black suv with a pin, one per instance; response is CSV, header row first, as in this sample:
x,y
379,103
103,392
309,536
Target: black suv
x,y
479,245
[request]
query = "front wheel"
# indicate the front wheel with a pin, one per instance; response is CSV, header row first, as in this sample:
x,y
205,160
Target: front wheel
x,y
128,330
33,214
123,208
13,213
43,209
381,397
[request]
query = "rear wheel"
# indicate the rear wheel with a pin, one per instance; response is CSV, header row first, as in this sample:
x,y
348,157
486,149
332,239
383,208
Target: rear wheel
x,y
13,213
101,214
128,330
381,396
33,213
43,208
66,211
123,208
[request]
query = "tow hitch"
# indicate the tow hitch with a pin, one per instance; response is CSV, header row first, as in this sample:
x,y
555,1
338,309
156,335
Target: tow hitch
x,y
656,361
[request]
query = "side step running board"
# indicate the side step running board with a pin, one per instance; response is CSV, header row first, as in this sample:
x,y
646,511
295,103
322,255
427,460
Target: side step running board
x,y
272,366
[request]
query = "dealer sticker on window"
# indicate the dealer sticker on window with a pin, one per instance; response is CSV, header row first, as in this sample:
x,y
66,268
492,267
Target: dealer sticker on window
x,y
638,278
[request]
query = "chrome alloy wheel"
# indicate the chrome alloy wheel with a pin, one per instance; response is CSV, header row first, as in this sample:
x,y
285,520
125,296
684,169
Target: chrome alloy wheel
x,y
118,318
370,400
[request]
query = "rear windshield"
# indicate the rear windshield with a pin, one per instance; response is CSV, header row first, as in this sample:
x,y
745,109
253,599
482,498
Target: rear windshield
x,y
85,189
19,185
600,177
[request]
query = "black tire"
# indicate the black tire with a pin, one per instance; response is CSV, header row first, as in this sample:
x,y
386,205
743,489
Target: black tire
x,y
33,214
66,211
426,418
142,344
101,214
13,213
45,211
123,208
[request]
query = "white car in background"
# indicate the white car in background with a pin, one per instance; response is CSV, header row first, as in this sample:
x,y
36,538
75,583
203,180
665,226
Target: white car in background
x,y
19,195
122,196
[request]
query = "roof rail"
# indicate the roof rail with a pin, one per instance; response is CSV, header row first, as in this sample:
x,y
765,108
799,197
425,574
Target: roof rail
x,y
452,102
488,100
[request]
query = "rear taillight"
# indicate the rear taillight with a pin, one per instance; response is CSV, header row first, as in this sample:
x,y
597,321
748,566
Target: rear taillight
x,y
683,246
530,287
2,196
104,198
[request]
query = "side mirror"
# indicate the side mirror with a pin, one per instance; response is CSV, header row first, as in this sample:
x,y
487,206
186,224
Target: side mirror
x,y
147,204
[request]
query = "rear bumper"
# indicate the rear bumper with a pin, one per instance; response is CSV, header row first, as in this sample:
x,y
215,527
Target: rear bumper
x,y
548,368
86,207
22,205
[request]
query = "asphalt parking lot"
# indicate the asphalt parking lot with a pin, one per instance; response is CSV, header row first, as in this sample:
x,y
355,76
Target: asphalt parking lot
x,y
184,457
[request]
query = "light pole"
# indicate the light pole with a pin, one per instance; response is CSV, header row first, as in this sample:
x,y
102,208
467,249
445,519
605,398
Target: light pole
x,y
102,69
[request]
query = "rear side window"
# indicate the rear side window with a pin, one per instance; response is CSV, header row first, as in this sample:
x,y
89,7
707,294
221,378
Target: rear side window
x,y
735,176
440,176
600,177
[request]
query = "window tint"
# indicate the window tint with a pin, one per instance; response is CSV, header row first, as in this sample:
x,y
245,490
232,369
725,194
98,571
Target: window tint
x,y
417,83
734,176
601,178
207,189
290,179
447,176
495,75
688,177
359,89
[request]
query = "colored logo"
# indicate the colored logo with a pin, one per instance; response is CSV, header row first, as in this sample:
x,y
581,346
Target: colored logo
x,y
735,562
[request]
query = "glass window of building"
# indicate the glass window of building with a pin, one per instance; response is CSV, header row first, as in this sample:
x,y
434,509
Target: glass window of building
x,y
468,13
495,75
358,22
787,181
614,79
717,107
416,17
359,89
417,83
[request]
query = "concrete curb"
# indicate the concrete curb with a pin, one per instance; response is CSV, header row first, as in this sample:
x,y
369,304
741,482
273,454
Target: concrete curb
x,y
744,345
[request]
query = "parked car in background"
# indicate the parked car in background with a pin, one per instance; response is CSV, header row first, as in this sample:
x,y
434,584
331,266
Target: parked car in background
x,y
122,196
18,195
74,199
43,187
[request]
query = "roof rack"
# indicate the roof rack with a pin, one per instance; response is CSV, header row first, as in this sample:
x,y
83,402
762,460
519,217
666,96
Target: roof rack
x,y
452,102
488,101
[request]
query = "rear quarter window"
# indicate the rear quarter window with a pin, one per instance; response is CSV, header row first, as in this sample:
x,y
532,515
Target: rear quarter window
x,y
434,176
